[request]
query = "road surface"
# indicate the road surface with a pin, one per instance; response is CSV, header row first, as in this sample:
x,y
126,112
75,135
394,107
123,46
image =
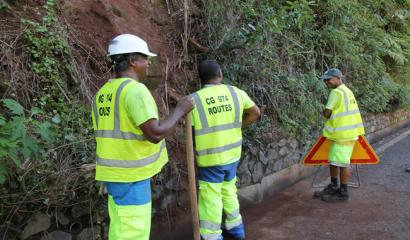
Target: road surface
x,y
378,209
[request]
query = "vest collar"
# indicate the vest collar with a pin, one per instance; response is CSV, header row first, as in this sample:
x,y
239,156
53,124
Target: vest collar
x,y
113,79
341,86
212,85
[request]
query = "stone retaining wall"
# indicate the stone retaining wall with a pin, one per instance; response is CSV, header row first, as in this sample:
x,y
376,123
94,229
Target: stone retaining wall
x,y
379,125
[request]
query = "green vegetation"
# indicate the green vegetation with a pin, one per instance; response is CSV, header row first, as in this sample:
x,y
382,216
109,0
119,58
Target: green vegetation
x,y
46,134
277,49
22,135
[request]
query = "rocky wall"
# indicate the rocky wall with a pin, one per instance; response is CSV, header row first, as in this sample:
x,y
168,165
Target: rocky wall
x,y
265,159
378,125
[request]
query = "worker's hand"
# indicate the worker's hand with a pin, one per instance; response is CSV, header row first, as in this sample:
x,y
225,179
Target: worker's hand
x,y
186,104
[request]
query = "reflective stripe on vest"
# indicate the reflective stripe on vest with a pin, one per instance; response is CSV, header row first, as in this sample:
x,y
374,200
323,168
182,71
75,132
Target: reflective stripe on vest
x,y
116,133
204,122
345,98
342,114
350,127
117,104
219,149
130,163
119,135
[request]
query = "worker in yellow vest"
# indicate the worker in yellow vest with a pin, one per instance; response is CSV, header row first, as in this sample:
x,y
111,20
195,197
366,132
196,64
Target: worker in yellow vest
x,y
219,114
343,127
130,138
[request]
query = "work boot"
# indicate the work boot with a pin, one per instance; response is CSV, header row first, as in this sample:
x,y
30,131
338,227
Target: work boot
x,y
329,190
228,236
341,195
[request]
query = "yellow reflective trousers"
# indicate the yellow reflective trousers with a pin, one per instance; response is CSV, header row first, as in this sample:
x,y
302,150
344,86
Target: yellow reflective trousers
x,y
218,195
132,222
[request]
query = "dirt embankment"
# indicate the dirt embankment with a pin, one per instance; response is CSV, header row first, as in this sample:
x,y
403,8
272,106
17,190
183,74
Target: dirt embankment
x,y
89,26
161,24
98,21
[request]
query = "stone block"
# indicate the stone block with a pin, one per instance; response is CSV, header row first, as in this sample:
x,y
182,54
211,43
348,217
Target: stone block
x,y
257,173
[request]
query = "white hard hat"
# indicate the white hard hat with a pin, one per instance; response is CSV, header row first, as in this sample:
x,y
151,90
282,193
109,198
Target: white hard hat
x,y
128,43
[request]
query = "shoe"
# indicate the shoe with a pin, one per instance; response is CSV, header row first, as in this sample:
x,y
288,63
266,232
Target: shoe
x,y
339,196
228,236
329,190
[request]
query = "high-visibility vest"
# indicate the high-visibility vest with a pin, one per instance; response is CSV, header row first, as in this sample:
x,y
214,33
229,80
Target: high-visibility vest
x,y
217,119
123,153
345,121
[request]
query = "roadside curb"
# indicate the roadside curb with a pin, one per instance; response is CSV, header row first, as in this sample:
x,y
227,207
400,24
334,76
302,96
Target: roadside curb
x,y
382,148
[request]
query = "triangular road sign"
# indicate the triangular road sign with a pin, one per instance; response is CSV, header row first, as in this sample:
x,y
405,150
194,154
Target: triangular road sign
x,y
363,153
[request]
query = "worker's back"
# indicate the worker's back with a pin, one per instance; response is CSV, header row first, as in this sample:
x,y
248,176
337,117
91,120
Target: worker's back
x,y
217,120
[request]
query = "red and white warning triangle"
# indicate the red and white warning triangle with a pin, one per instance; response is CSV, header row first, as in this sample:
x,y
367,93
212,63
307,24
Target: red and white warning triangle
x,y
363,153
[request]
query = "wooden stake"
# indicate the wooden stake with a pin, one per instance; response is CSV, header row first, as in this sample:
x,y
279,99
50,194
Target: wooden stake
x,y
191,176
185,42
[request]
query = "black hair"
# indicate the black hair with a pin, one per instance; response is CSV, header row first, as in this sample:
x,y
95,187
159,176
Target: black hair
x,y
120,61
208,70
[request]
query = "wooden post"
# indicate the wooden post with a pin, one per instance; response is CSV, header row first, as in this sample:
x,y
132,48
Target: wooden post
x,y
191,176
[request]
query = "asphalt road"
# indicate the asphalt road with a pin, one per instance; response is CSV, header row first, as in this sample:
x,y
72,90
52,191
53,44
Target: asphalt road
x,y
378,209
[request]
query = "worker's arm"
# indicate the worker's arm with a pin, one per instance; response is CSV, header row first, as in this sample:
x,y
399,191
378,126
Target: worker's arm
x,y
250,115
155,130
327,113
332,103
